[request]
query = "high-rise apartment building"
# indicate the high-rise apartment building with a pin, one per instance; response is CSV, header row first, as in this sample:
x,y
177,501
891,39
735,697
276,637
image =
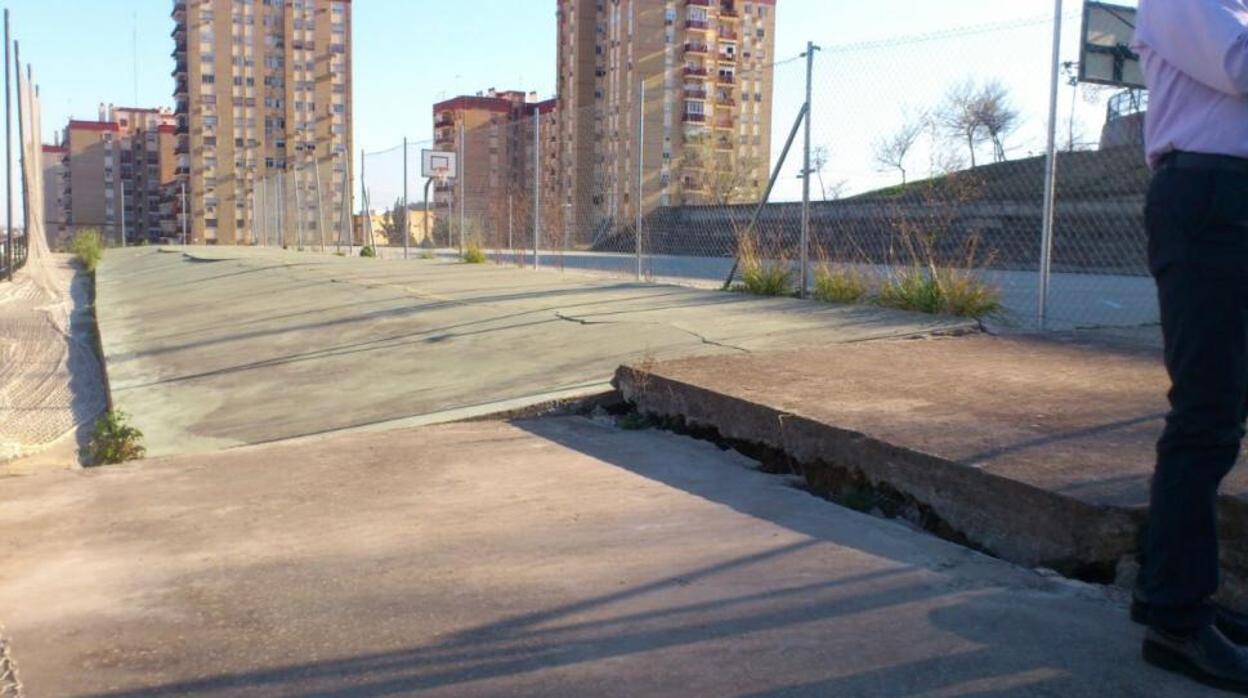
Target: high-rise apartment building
x,y
706,67
496,133
147,171
262,86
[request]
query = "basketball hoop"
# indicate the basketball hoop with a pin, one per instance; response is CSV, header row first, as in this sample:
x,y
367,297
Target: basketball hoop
x,y
439,165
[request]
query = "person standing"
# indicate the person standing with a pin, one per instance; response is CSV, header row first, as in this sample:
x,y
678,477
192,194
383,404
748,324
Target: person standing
x,y
1195,59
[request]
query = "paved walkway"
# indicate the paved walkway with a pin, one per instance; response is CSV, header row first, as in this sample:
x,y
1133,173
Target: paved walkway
x,y
555,558
231,346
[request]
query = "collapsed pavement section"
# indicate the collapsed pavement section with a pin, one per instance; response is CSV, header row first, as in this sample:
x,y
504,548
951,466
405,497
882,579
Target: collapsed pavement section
x,y
1036,450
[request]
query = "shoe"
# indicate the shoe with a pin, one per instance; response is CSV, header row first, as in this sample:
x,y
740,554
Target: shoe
x,y
1232,624
1206,656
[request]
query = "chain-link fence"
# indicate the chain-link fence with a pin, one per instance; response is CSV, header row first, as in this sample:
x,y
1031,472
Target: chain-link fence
x,y
304,207
926,160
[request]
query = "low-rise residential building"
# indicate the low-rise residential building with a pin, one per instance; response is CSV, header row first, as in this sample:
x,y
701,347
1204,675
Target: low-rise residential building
x,y
52,161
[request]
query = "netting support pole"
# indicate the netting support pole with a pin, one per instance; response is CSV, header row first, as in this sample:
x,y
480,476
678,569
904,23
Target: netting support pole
x,y
1050,175
8,153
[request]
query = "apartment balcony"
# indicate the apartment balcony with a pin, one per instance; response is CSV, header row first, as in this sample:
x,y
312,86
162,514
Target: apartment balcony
x,y
726,34
725,101
693,71
695,93
697,25
443,122
698,3
725,79
179,10
693,117
727,57
691,184
697,49
729,13
724,125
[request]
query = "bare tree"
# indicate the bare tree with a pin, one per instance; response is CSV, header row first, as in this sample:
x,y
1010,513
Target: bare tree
x,y
818,160
996,115
891,151
959,116
711,174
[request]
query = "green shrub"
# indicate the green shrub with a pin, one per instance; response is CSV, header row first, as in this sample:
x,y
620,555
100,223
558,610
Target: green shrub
x,y
368,251
474,253
428,254
762,277
88,247
114,441
839,285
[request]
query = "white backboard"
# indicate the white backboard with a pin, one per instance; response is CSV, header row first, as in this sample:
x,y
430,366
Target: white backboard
x,y
439,164
1105,56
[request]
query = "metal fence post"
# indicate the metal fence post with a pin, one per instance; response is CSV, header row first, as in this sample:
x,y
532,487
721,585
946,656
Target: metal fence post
x,y
537,192
298,212
405,208
320,203
364,199
463,182
641,169
806,173
123,213
1050,175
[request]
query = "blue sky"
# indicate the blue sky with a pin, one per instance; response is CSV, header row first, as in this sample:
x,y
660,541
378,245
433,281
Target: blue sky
x,y
410,53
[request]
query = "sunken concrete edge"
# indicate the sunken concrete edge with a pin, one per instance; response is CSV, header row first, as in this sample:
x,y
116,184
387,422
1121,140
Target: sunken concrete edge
x,y
1012,520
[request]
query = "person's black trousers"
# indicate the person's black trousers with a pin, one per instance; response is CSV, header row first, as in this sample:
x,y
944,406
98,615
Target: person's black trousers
x,y
1197,220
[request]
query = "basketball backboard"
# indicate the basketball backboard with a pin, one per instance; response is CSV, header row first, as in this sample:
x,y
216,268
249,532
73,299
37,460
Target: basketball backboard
x,y
1105,56
438,164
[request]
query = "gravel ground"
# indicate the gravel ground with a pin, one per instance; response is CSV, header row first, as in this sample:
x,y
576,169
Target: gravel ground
x,y
50,378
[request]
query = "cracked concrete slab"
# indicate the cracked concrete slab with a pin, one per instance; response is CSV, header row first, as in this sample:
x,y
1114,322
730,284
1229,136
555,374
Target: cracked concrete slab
x,y
557,557
1037,448
231,346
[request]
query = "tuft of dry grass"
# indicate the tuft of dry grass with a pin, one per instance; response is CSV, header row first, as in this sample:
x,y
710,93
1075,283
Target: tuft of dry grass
x,y
762,277
840,284
474,253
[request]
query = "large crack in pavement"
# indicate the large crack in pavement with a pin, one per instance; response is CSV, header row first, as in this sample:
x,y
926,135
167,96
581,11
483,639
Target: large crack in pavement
x,y
700,337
